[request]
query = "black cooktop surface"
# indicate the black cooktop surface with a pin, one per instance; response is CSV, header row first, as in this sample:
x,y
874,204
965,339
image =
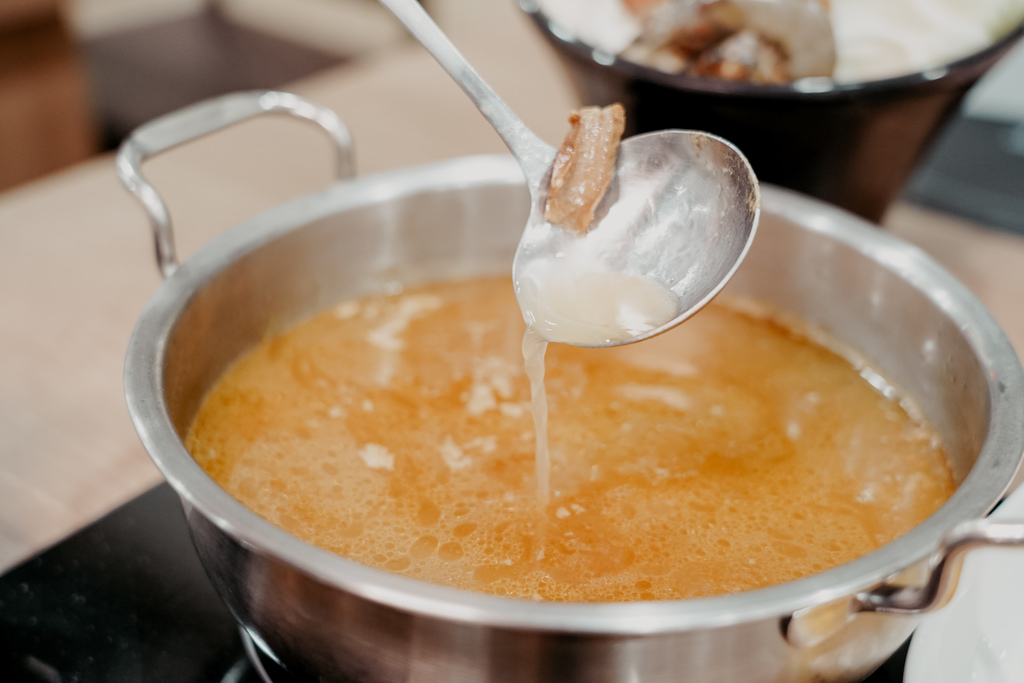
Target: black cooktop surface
x,y
123,600
126,600
975,169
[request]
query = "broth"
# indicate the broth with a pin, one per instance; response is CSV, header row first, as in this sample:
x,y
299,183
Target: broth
x,y
730,453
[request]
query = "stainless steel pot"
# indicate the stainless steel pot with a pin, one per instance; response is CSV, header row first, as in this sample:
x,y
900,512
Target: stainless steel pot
x,y
335,620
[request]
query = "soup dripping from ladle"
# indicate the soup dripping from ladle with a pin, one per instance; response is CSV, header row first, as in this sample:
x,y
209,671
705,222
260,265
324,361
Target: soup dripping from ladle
x,y
676,221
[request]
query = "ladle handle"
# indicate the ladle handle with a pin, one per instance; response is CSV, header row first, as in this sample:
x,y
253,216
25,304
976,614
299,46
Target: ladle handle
x,y
533,154
201,119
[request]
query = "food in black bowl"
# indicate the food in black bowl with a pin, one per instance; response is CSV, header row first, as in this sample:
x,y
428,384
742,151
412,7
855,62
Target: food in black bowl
x,y
848,131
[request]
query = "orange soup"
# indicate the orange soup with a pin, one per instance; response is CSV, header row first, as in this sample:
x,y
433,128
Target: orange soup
x,y
731,453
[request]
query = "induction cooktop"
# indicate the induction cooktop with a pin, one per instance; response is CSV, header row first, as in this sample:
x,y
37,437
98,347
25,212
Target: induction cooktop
x,y
975,169
123,600
126,600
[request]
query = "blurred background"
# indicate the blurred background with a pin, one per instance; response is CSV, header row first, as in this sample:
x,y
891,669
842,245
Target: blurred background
x,y
77,75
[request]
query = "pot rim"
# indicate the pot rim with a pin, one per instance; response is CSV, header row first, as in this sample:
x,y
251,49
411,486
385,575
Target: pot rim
x,y
962,70
976,495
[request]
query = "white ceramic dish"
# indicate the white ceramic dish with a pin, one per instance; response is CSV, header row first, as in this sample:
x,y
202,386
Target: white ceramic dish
x,y
979,636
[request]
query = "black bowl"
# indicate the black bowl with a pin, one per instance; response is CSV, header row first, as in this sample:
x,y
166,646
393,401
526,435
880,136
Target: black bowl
x,y
851,144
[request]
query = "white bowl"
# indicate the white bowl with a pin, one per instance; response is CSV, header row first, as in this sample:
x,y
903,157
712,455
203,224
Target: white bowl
x,y
979,636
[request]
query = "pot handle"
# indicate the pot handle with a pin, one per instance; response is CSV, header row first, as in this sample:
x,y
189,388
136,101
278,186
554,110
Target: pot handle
x,y
943,569
812,625
201,119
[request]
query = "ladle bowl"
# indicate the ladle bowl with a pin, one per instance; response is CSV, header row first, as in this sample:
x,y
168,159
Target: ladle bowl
x,y
682,208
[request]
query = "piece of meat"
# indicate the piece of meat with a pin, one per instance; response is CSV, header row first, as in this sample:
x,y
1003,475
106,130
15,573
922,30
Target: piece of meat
x,y
584,166
761,41
642,8
745,56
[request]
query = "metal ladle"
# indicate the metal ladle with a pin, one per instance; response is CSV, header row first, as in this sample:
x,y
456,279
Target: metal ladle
x,y
681,210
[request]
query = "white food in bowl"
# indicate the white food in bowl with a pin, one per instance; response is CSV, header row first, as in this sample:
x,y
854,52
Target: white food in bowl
x,y
884,38
874,39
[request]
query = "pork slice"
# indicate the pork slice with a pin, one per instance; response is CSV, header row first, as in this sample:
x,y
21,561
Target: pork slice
x,y
584,166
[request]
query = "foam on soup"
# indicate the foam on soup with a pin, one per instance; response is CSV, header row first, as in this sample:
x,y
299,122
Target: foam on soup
x,y
730,453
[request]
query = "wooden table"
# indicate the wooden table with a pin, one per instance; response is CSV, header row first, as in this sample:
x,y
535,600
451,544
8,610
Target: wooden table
x,y
76,262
